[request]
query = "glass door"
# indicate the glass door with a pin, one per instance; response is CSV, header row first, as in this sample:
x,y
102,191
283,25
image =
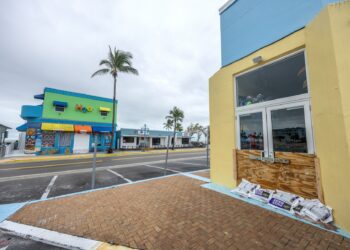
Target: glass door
x,y
252,130
289,128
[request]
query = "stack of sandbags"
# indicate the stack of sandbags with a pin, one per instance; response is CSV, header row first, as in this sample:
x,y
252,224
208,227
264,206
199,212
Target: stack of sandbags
x,y
314,210
245,188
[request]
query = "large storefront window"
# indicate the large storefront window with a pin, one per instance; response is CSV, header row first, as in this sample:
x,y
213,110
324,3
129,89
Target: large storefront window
x,y
288,130
281,79
277,115
251,131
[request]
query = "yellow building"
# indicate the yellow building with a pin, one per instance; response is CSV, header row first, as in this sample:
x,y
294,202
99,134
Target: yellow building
x,y
280,104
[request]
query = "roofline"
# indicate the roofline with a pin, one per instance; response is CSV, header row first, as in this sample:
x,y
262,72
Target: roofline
x,y
5,126
81,95
226,6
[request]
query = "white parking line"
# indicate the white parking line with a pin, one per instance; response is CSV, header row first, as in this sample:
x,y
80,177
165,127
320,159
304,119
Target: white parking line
x,y
188,163
48,188
175,171
119,175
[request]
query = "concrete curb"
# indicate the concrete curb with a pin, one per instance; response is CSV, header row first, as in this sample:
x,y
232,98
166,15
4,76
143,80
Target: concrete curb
x,y
55,238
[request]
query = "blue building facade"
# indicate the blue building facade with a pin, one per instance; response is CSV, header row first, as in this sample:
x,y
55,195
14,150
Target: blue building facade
x,y
253,24
67,122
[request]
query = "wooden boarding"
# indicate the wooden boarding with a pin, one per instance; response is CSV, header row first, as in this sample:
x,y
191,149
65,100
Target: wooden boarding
x,y
299,176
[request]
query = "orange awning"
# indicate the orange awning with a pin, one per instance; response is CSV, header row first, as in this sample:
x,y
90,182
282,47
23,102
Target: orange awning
x,y
82,129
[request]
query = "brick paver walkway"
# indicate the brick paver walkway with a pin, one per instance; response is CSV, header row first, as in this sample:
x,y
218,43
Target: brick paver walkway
x,y
205,174
174,213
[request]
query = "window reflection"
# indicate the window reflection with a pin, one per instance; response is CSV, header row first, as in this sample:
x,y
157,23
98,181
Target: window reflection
x,y
288,130
281,79
251,129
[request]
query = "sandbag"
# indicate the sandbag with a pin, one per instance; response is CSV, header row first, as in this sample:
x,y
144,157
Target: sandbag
x,y
315,210
261,194
245,188
284,200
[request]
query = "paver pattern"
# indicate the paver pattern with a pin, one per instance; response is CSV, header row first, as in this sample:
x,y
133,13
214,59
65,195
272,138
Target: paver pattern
x,y
174,213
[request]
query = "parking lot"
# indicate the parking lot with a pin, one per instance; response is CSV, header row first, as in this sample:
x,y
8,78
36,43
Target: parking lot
x,y
20,182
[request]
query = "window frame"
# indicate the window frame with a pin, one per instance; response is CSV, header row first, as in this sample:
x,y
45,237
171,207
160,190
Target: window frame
x,y
308,124
104,113
280,103
305,96
57,106
264,124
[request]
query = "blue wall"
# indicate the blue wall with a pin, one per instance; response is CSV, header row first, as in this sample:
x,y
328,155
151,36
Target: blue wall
x,y
248,25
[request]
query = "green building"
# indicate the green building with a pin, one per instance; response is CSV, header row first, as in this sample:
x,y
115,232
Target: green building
x,y
65,123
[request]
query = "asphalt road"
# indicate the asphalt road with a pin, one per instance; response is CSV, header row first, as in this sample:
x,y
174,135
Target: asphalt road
x,y
20,182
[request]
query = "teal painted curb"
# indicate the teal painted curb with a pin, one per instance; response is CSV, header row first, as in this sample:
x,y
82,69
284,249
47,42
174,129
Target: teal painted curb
x,y
7,210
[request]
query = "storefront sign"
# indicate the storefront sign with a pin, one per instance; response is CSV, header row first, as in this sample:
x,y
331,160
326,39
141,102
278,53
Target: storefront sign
x,y
269,159
81,108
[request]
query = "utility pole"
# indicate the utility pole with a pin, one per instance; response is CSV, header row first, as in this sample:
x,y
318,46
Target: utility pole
x,y
208,134
167,155
94,163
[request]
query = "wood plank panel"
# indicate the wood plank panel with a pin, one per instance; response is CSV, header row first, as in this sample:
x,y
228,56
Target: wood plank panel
x,y
298,176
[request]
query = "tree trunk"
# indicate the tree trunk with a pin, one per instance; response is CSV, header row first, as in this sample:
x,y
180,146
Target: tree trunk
x,y
174,134
113,115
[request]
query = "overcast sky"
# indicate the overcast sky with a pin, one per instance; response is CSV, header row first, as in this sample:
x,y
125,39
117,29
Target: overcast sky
x,y
58,44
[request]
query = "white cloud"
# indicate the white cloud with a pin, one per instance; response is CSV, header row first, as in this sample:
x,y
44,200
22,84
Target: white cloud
x,y
176,47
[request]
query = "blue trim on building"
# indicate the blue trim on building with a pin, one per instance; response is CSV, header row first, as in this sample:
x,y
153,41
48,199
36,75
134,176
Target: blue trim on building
x,y
76,122
39,97
152,133
31,111
69,93
60,104
249,25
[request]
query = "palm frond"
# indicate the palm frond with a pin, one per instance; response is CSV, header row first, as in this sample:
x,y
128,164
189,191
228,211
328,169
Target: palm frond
x,y
100,72
106,63
129,69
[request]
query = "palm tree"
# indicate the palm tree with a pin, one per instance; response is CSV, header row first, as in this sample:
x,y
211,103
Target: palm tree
x,y
118,61
175,118
167,125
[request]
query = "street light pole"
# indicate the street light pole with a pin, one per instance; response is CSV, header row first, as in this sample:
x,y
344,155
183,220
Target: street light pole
x,y
167,155
94,163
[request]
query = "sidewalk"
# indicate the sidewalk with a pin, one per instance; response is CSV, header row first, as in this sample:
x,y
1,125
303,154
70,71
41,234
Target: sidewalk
x,y
39,158
174,213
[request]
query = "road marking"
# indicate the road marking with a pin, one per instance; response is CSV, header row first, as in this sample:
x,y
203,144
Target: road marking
x,y
49,165
175,171
87,170
48,188
195,164
119,175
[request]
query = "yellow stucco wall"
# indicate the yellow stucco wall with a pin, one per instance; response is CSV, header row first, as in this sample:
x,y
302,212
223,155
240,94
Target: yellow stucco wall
x,y
328,56
222,113
326,40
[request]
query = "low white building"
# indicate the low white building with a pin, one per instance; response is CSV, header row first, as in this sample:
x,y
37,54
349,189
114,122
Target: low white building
x,y
135,138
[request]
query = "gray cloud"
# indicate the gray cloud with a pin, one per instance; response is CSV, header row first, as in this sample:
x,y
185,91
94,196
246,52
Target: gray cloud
x,y
176,47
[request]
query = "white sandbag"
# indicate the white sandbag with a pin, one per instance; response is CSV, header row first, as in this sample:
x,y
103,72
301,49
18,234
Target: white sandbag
x,y
245,188
316,211
283,200
261,194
